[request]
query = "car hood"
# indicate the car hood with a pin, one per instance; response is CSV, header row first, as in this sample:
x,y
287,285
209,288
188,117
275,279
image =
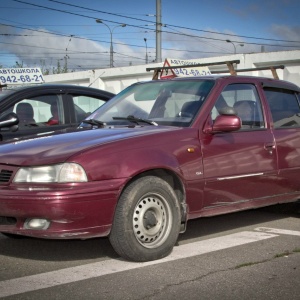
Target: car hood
x,y
51,149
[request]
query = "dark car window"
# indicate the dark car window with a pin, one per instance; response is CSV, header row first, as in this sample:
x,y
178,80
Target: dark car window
x,y
246,102
47,108
85,105
38,111
284,107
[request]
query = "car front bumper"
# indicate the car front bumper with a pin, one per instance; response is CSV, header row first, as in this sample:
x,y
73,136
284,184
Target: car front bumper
x,y
71,211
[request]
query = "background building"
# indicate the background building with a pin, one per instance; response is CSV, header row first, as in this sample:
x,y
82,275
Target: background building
x,y
116,79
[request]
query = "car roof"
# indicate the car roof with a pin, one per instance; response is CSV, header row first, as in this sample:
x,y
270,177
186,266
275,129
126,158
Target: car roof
x,y
265,81
55,86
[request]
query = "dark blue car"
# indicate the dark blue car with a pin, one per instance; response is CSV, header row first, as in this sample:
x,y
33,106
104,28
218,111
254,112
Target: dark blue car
x,y
47,107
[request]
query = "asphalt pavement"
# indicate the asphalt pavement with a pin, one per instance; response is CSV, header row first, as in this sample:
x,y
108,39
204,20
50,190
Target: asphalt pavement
x,y
253,254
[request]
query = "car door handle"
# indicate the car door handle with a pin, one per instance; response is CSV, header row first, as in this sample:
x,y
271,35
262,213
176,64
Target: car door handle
x,y
269,147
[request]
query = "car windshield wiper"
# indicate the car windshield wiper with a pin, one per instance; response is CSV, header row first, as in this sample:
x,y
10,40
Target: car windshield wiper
x,y
135,120
94,122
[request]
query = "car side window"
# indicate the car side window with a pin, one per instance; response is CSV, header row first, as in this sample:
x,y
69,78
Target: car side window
x,y
85,105
246,102
38,111
284,106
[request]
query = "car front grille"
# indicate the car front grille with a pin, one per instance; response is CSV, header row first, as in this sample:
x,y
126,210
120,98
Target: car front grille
x,y
8,221
5,175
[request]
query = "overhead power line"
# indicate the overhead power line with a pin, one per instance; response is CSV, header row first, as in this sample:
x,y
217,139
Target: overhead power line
x,y
170,25
140,46
143,20
222,37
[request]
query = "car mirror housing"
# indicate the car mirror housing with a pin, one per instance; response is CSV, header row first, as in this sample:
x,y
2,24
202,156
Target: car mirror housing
x,y
9,120
226,123
223,123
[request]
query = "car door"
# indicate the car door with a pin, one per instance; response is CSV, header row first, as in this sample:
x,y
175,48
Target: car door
x,y
240,168
285,111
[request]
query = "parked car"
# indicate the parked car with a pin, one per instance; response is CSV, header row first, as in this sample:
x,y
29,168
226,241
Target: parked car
x,y
156,155
48,107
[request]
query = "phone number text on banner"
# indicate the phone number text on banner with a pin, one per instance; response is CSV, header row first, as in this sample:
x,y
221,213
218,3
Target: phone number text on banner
x,y
191,72
21,76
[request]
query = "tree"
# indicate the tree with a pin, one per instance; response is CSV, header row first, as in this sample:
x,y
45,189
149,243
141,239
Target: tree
x,y
44,69
18,65
58,69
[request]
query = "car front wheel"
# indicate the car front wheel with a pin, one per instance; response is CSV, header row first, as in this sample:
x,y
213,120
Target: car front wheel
x,y
147,220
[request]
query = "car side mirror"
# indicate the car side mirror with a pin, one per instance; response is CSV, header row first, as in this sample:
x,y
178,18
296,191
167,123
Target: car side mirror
x,y
9,120
227,121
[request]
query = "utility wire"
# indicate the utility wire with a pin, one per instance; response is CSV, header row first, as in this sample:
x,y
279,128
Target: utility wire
x,y
120,23
140,46
176,26
140,27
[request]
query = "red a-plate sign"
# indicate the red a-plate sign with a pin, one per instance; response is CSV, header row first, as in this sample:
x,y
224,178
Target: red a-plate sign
x,y
183,72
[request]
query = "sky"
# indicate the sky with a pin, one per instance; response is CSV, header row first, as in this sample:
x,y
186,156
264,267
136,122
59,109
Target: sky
x,y
52,33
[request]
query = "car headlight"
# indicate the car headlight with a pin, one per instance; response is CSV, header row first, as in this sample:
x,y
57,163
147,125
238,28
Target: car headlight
x,y
66,172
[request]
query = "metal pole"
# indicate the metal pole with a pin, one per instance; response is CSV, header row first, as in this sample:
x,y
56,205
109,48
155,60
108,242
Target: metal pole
x,y
146,50
111,51
158,31
111,56
229,41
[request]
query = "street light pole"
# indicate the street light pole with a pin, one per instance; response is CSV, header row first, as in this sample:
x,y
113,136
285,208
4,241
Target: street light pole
x,y
67,56
229,41
146,50
158,31
111,51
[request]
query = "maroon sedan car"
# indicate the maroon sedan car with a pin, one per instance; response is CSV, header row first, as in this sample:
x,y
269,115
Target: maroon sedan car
x,y
156,155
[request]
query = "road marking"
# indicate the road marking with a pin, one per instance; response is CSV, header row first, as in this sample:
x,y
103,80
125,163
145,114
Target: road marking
x,y
98,269
278,231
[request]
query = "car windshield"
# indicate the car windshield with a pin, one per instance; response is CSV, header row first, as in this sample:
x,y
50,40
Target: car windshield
x,y
170,103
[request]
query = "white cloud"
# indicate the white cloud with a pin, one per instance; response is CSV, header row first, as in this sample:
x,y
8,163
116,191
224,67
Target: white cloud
x,y
286,32
32,47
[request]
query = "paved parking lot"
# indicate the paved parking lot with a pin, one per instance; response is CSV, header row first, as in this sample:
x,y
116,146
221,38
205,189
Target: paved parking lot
x,y
250,255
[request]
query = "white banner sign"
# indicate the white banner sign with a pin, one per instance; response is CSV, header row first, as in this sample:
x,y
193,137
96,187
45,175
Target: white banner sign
x,y
183,72
21,76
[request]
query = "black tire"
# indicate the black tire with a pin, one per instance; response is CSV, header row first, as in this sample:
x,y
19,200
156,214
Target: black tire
x,y
147,220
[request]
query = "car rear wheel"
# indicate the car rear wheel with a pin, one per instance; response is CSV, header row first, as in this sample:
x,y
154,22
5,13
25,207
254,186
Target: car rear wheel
x,y
147,220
